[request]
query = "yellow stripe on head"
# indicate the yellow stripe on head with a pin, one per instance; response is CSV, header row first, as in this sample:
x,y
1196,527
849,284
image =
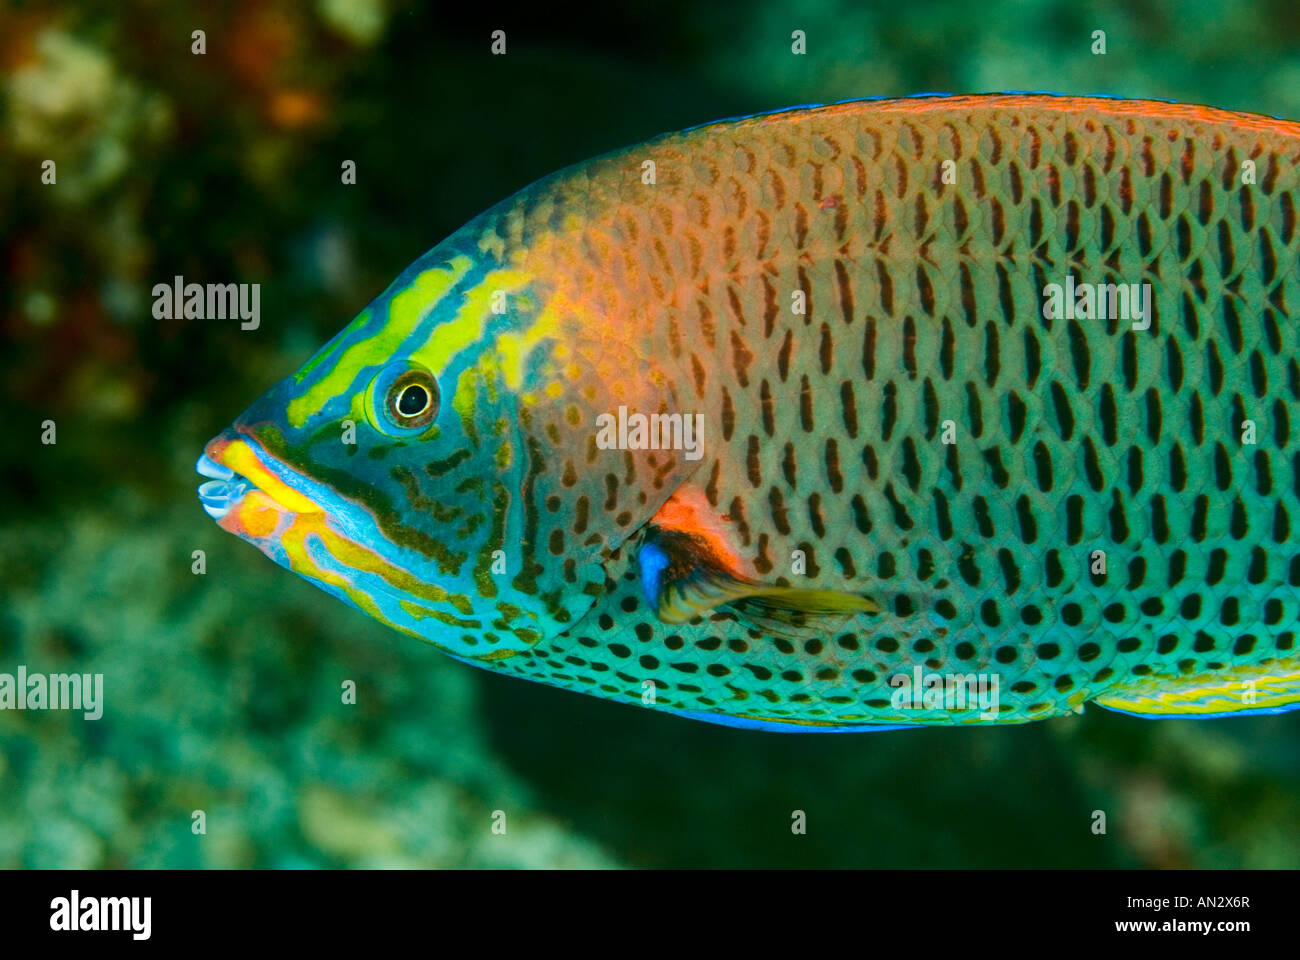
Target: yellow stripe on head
x,y
405,311
513,349
470,323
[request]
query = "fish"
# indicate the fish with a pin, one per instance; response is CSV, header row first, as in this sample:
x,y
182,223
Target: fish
x,y
876,415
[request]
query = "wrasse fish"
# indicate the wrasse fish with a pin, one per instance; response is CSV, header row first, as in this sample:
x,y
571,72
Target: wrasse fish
x,y
921,450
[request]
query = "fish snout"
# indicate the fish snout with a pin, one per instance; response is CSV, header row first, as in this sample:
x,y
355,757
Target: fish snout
x,y
244,492
224,487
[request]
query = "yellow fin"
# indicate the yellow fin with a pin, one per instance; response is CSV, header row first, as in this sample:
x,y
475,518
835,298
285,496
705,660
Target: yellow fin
x,y
1239,691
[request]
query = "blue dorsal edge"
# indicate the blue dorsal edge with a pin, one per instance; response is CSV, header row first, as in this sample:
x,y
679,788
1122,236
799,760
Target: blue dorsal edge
x,y
940,95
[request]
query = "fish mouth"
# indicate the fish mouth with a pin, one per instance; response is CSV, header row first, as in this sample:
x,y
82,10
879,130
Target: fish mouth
x,y
223,489
238,473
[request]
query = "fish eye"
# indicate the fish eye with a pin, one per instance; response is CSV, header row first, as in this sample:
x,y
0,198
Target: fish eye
x,y
413,400
403,399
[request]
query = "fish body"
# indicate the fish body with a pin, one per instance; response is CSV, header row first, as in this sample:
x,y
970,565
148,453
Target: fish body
x,y
940,410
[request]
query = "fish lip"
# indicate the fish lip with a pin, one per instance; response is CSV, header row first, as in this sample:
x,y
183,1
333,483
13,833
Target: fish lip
x,y
223,488
226,488
207,467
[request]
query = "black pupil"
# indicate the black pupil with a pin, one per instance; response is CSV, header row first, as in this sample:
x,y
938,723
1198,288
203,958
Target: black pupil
x,y
413,400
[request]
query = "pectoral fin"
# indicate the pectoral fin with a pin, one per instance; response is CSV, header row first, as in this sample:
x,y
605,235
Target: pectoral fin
x,y
683,578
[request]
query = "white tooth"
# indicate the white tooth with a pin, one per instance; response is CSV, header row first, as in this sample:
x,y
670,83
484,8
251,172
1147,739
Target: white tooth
x,y
214,489
216,513
208,467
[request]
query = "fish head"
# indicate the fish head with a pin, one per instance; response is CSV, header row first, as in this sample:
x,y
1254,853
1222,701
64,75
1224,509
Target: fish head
x,y
435,464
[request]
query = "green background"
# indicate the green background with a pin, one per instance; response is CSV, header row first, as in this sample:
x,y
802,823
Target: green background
x,y
223,690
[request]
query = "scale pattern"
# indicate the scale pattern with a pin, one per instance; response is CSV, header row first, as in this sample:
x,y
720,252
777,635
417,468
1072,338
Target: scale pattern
x,y
924,311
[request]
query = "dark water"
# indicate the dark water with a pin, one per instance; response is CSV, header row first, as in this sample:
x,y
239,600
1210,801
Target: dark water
x,y
222,690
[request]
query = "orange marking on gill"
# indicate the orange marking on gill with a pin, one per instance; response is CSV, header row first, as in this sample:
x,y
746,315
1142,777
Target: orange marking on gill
x,y
688,511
